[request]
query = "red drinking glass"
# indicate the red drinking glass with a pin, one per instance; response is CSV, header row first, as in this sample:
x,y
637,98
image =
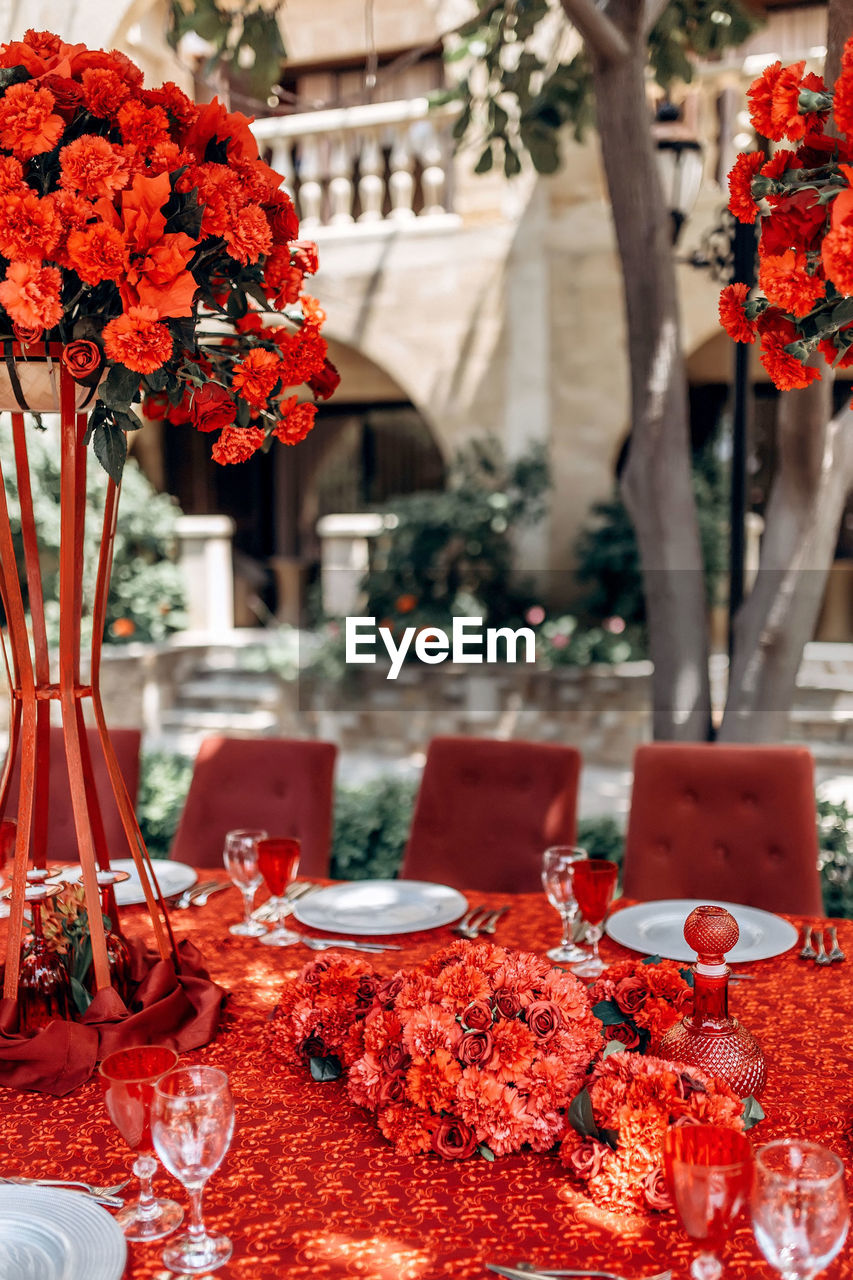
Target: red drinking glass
x,y
128,1077
278,858
709,1173
44,987
594,882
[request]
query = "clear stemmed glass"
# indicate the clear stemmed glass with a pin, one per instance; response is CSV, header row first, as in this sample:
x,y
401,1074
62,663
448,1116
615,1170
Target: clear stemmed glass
x,y
557,865
192,1120
594,881
128,1077
800,1214
709,1173
278,857
240,856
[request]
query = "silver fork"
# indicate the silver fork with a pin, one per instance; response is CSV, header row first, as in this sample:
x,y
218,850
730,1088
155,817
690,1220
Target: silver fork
x,y
106,1195
526,1271
198,894
323,944
470,924
821,958
808,952
835,953
293,893
489,924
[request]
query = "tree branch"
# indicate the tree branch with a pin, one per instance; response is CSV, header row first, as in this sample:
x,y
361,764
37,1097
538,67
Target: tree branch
x,y
839,21
602,35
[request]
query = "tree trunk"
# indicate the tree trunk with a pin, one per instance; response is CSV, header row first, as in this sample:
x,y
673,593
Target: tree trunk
x,y
656,482
813,479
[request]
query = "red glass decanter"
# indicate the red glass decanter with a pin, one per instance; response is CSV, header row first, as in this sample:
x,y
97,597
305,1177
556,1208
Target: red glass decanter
x,y
708,1038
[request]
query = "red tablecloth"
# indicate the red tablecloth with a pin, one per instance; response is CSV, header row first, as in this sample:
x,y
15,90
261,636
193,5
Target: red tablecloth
x,y
311,1190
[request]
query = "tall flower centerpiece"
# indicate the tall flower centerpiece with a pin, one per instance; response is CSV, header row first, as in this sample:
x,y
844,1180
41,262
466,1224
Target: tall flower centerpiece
x,y
804,196
142,241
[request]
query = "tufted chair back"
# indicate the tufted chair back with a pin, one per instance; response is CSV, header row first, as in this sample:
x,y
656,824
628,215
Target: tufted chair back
x,y
736,823
487,810
280,785
61,835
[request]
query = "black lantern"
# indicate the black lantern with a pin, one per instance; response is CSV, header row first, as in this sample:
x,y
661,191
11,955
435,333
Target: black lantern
x,y
680,164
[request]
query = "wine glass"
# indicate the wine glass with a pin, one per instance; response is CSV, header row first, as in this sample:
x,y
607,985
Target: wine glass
x,y
800,1214
44,987
278,857
557,866
594,881
192,1120
128,1077
241,862
709,1173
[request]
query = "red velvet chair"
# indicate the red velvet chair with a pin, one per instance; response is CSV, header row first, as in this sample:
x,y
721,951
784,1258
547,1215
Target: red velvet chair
x,y
280,785
61,835
487,810
737,823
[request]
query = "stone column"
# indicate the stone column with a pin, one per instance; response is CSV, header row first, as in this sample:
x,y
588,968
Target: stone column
x,y
204,553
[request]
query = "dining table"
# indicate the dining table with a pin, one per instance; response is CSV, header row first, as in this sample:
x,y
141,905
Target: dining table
x,y
311,1190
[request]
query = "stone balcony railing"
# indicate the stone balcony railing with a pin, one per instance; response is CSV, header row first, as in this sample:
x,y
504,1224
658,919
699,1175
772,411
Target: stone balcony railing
x,y
378,165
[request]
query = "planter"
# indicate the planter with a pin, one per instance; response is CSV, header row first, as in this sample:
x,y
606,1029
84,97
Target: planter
x,y
30,379
173,999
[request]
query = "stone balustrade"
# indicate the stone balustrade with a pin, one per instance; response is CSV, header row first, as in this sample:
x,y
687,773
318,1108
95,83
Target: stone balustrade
x,y
373,165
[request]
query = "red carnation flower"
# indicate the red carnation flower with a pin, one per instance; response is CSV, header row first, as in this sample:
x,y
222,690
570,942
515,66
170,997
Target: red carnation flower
x,y
256,376
28,124
741,203
30,294
93,166
236,444
842,105
138,340
732,316
785,370
296,421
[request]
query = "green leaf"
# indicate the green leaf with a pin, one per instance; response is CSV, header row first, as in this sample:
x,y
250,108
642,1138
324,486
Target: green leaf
x,y
244,412
237,305
127,420
323,1069
119,387
110,445
842,314
12,75
462,121
486,1152
614,1046
752,1112
581,1116
609,1013
652,960
610,1137
80,995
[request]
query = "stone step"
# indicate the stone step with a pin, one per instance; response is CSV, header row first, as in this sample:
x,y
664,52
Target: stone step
x,y
229,689
185,719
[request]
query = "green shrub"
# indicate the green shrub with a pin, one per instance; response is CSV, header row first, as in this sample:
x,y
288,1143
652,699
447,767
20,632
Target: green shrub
x,y
164,780
147,595
835,858
602,838
372,821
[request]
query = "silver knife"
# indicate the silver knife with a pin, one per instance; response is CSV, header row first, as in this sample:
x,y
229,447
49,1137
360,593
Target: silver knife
x,y
516,1273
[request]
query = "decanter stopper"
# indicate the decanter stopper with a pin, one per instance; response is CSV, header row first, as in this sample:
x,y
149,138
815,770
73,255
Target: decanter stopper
x,y
708,1038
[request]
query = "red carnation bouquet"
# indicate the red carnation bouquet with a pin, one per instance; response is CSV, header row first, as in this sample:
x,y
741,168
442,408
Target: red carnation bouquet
x,y
614,1148
637,1001
478,1049
138,230
805,302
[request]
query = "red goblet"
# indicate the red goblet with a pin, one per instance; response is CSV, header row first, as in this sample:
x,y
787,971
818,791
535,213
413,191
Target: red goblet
x,y
278,857
128,1077
709,1173
44,987
118,951
594,882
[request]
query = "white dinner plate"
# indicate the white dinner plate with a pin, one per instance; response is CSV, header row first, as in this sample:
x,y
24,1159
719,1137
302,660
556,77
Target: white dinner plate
x,y
49,1234
380,906
172,877
657,929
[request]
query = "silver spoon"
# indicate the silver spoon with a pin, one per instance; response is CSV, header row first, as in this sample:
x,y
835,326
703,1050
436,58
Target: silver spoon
x,y
821,958
835,953
808,952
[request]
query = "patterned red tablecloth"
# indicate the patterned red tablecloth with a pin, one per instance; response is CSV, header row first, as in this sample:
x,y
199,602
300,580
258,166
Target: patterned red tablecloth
x,y
311,1190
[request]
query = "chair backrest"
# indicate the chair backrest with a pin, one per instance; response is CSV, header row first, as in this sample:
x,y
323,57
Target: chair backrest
x,y
737,823
487,810
280,785
61,835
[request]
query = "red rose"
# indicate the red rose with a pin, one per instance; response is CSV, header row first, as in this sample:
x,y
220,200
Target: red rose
x,y
312,970
655,1190
475,1048
393,1059
303,254
588,1158
544,1018
155,407
387,991
83,360
453,1139
507,1003
212,408
28,333
391,1090
630,994
625,1034
314,1047
477,1017
326,382
366,990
